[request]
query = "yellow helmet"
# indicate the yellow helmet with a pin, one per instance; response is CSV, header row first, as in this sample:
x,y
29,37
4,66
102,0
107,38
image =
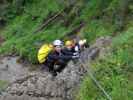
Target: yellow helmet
x,y
68,43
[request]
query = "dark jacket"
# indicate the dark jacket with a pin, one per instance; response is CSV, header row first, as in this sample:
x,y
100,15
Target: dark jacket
x,y
69,52
55,56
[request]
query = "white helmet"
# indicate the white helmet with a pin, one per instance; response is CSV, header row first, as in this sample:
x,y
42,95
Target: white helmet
x,y
57,43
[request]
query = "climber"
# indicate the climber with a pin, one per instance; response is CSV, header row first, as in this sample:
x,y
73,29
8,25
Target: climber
x,y
69,48
57,57
74,48
82,44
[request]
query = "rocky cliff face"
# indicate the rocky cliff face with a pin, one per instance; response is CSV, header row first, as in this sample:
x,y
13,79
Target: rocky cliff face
x,y
42,86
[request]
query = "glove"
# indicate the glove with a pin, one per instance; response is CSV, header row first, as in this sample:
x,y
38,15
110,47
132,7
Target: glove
x,y
74,57
76,48
76,53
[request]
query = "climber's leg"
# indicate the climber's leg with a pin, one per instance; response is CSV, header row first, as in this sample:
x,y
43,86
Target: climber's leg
x,y
61,65
49,65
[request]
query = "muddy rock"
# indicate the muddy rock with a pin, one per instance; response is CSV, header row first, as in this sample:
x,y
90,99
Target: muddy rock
x,y
42,84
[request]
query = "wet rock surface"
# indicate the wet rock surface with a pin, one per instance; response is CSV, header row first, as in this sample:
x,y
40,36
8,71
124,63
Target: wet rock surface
x,y
43,85
40,85
10,69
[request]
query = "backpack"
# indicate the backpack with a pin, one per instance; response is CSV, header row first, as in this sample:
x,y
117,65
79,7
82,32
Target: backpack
x,y
43,52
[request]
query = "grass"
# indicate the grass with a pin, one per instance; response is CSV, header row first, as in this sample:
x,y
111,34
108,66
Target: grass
x,y
114,72
21,40
19,33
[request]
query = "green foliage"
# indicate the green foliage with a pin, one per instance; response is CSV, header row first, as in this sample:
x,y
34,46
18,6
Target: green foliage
x,y
3,85
85,93
94,8
19,33
124,39
114,72
97,28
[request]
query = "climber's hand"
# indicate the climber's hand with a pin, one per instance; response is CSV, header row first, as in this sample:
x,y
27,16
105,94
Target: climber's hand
x,y
75,57
76,53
